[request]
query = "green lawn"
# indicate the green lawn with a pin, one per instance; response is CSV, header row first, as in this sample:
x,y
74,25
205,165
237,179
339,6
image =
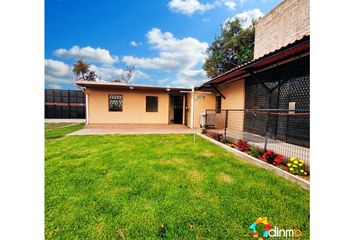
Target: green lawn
x,y
58,130
161,187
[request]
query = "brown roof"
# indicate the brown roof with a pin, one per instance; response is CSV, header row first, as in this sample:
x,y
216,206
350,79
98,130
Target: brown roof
x,y
114,85
297,47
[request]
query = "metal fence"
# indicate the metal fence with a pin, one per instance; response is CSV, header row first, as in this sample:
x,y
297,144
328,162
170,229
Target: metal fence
x,y
284,131
65,104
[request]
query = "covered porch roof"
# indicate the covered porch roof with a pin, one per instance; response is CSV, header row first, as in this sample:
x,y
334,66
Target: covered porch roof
x,y
293,51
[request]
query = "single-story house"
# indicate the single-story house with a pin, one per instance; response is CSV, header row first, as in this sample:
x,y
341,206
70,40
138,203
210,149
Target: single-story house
x,y
285,72
277,78
117,103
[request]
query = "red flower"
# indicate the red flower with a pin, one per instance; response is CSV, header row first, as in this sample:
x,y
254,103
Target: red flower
x,y
279,158
242,145
272,158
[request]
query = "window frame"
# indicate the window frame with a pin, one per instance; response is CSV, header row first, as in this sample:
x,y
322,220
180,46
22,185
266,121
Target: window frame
x,y
146,104
218,100
109,101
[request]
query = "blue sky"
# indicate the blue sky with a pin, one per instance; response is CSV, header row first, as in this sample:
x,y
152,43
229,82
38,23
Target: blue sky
x,y
166,40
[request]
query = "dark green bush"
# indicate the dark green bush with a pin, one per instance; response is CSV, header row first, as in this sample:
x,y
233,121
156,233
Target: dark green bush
x,y
256,152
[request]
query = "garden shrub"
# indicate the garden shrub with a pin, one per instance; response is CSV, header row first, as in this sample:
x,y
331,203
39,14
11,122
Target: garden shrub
x,y
256,152
296,166
225,140
243,146
216,136
273,158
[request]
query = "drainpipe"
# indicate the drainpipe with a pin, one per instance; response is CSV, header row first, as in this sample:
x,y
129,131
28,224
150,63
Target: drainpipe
x,y
86,103
192,108
87,109
193,115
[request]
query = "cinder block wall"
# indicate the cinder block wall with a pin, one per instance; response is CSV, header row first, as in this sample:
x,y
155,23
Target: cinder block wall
x,y
287,22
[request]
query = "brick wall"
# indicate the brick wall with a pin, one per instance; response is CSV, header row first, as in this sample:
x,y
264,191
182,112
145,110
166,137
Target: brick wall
x,y
284,24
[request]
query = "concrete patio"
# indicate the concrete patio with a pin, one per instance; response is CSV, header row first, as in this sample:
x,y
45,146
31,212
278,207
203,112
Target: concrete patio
x,y
102,129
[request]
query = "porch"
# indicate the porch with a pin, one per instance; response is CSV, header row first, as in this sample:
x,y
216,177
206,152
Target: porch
x,y
102,129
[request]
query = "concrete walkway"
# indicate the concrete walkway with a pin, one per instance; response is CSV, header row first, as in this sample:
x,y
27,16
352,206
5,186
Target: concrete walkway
x,y
102,129
64,120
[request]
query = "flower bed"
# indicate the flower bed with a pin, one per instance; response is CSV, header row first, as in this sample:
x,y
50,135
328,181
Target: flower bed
x,y
293,165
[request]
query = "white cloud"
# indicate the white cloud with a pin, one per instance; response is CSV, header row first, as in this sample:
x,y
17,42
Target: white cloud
x,y
247,17
98,55
190,78
57,72
164,81
54,86
181,56
175,54
189,7
110,73
230,4
135,44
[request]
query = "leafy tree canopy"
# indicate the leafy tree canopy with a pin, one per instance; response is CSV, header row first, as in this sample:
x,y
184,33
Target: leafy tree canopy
x,y
234,46
80,69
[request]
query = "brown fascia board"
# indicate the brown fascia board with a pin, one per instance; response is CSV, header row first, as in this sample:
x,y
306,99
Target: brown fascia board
x,y
96,85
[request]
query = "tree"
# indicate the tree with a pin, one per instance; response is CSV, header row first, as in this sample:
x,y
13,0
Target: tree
x,y
125,78
81,69
92,76
234,46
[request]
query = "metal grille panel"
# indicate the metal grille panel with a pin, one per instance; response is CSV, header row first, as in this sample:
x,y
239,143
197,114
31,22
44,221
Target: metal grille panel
x,y
64,104
115,103
296,90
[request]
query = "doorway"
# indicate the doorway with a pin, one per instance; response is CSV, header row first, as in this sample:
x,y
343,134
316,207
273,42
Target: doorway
x,y
176,109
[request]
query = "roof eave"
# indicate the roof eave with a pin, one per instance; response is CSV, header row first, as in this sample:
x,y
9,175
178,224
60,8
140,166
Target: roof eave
x,y
241,69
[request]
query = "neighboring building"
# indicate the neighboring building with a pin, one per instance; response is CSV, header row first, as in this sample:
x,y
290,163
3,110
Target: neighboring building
x,y
284,24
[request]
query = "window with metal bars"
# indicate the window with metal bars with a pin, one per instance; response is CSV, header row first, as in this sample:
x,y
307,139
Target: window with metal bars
x,y
151,104
115,103
218,104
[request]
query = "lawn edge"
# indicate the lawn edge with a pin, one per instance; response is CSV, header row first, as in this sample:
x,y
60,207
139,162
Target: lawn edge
x,y
302,182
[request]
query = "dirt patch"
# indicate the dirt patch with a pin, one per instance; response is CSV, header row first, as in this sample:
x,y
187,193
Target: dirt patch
x,y
120,233
225,178
100,228
207,153
195,175
174,161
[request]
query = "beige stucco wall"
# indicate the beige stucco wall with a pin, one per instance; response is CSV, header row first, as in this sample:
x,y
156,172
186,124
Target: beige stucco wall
x,y
200,106
133,107
234,93
287,22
